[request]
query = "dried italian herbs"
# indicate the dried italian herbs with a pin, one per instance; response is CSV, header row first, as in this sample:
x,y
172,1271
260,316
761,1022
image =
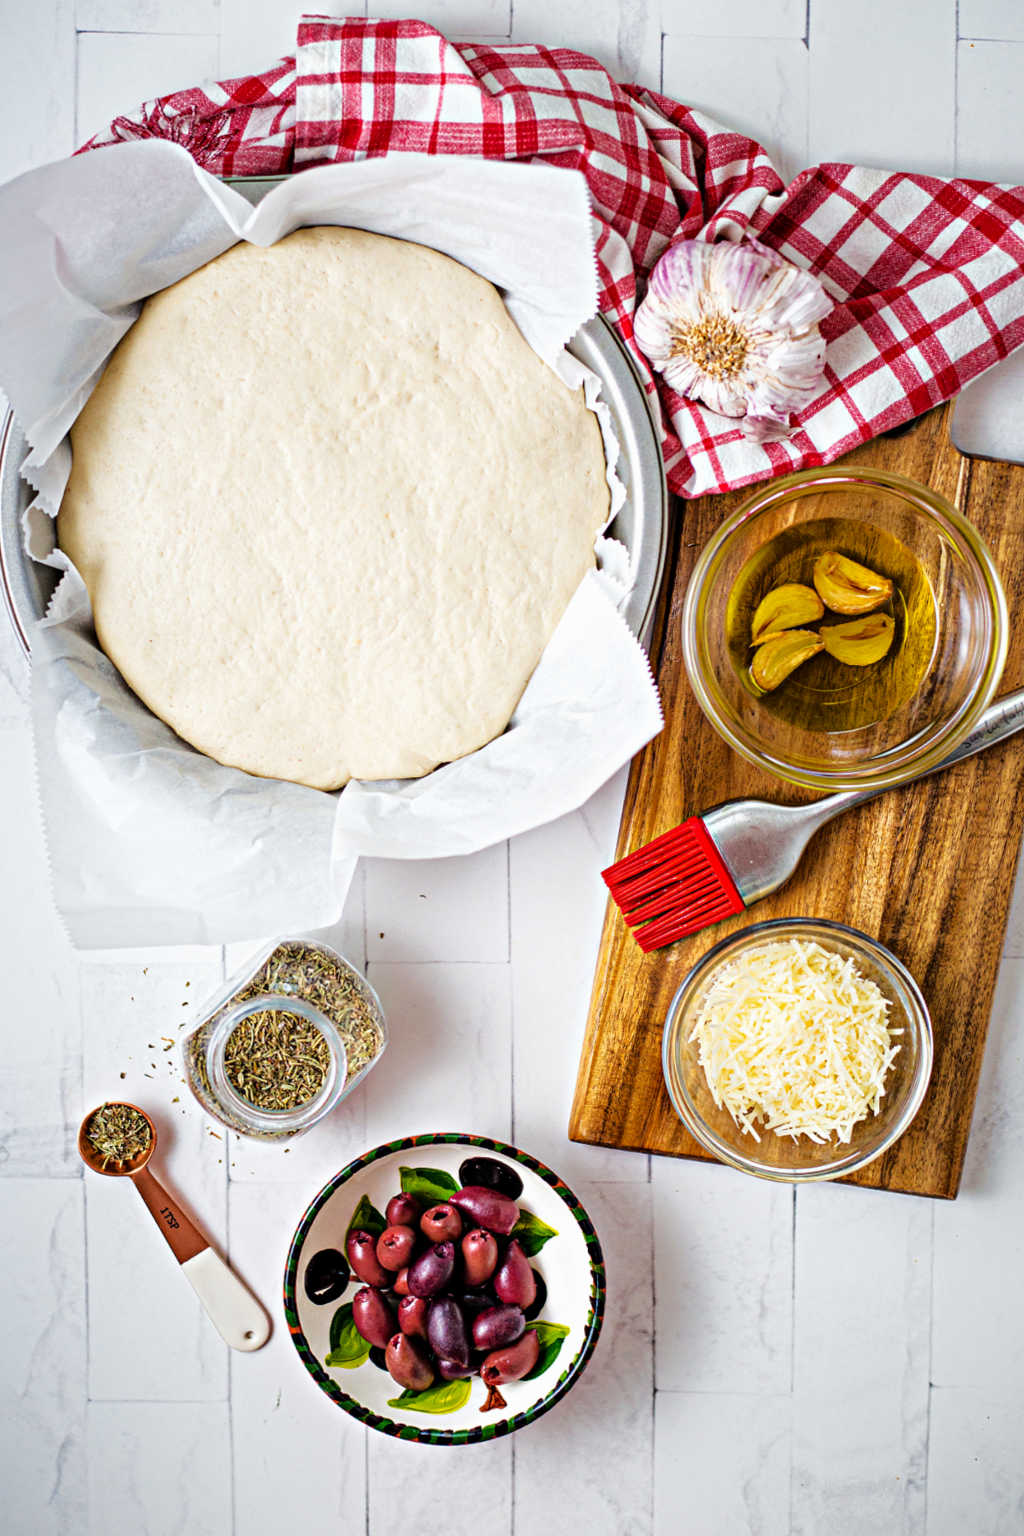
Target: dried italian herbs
x,y
276,1060
117,1133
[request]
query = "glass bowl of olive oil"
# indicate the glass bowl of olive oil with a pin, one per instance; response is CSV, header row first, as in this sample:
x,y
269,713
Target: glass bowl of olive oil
x,y
845,629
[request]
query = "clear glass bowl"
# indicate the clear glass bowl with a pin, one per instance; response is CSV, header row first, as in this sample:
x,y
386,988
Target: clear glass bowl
x,y
935,702
781,1157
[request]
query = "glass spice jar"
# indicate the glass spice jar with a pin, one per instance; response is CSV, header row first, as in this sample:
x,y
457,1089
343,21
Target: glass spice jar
x,y
285,1040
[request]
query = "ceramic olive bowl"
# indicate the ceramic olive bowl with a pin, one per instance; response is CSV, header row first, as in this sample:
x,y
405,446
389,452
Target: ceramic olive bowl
x,y
569,1261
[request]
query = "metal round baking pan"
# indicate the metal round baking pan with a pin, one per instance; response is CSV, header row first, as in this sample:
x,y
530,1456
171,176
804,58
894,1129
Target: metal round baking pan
x,y
641,524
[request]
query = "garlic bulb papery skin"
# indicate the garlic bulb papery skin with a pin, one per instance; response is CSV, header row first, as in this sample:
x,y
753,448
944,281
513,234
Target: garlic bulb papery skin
x,y
735,326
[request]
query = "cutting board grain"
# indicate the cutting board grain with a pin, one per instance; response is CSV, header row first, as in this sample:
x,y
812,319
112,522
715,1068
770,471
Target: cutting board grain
x,y
928,869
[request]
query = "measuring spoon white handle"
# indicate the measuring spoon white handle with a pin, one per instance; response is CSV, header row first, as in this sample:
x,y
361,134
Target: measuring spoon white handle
x,y
230,1305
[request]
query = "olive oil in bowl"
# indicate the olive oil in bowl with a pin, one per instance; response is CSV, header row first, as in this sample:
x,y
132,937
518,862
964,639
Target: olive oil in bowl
x,y
823,693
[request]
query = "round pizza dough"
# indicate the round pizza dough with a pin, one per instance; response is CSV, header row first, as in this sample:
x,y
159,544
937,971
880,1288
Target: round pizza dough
x,y
330,506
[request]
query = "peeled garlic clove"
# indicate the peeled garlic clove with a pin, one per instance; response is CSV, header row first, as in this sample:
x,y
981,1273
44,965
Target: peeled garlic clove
x,y
846,587
859,642
782,654
785,607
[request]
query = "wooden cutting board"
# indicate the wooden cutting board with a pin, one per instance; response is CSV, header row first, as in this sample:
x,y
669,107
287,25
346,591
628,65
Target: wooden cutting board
x,y
927,869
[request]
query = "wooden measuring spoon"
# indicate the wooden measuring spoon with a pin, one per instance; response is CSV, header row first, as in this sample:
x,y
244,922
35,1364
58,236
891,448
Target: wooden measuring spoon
x,y
232,1308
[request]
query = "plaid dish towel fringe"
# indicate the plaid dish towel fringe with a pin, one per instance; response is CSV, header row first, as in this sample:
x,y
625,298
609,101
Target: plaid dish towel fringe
x,y
926,274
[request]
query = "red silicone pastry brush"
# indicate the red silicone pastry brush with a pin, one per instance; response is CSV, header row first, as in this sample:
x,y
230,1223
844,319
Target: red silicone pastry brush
x,y
713,866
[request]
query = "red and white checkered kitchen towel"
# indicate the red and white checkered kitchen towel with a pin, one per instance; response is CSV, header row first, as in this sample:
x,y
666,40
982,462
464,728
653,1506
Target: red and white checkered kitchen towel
x,y
927,275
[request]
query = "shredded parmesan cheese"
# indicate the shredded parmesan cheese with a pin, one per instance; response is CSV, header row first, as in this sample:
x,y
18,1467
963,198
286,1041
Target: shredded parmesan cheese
x,y
793,1036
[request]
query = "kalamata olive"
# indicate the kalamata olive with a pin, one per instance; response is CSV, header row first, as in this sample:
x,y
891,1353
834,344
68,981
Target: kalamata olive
x,y
446,1330
497,1326
327,1275
372,1316
402,1211
479,1256
407,1361
432,1270
473,1302
378,1358
491,1174
513,1362
451,1370
400,1284
394,1248
442,1223
412,1315
513,1278
361,1247
536,1306
486,1208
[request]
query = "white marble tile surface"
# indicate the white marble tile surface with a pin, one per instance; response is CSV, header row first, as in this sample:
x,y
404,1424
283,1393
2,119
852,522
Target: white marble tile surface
x,y
862,1284
154,64
990,120
160,1467
38,72
974,1464
882,83
755,85
1001,19
43,1454
722,1464
837,1361
723,1265
438,909
161,16
299,1464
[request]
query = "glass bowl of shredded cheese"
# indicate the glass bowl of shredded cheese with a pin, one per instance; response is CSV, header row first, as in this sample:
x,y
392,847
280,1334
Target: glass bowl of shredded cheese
x,y
797,1049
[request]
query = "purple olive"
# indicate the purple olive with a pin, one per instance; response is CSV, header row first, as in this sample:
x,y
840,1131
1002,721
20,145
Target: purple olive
x,y
487,1208
406,1359
412,1315
536,1306
442,1223
513,1278
327,1275
361,1247
431,1272
451,1370
513,1362
402,1211
400,1284
372,1316
497,1327
492,1175
479,1256
446,1330
394,1248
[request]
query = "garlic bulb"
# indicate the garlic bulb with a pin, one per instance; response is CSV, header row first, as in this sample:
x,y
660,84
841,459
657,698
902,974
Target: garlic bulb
x,y
735,326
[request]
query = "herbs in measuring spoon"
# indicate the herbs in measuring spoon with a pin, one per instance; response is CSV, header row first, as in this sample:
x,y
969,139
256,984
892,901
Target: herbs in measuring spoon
x,y
117,1133
276,1060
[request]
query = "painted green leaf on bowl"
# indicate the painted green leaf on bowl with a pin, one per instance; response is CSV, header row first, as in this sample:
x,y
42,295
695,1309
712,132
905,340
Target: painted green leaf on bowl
x,y
348,1347
442,1397
551,1337
532,1233
366,1218
430,1184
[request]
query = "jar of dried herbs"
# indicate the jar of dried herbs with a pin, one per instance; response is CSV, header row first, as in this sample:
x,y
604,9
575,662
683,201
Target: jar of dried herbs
x,y
285,1040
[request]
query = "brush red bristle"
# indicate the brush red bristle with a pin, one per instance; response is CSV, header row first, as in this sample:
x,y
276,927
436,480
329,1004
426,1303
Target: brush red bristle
x,y
675,885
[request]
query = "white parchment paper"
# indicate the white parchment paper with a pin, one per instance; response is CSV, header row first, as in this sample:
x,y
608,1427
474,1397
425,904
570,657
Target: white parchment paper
x,y
150,841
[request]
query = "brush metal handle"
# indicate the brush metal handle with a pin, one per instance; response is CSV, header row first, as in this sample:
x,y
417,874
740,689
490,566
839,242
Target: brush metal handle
x,y
1003,718
762,843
